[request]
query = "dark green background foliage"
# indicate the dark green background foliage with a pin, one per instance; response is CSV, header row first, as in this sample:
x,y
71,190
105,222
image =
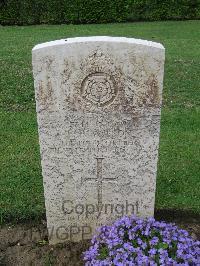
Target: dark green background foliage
x,y
25,12
164,9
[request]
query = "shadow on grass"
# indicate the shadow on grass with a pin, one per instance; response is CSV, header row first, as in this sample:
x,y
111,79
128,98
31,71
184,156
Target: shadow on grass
x,y
169,215
173,215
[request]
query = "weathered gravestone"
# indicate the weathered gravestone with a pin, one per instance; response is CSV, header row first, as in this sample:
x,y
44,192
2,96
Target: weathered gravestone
x,y
98,107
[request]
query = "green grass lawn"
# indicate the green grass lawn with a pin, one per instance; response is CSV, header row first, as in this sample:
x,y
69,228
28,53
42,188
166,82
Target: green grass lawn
x,y
178,182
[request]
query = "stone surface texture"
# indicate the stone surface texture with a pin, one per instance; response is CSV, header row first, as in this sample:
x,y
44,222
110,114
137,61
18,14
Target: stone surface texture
x,y
98,102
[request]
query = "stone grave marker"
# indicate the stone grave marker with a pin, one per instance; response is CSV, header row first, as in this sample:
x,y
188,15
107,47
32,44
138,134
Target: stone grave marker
x,y
98,102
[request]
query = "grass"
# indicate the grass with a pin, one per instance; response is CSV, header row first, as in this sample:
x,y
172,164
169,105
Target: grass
x,y
178,182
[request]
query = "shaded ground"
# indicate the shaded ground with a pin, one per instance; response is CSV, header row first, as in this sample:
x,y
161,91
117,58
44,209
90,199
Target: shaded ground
x,y
26,244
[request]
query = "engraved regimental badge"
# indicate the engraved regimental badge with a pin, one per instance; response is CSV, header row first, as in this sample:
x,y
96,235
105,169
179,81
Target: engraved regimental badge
x,y
99,89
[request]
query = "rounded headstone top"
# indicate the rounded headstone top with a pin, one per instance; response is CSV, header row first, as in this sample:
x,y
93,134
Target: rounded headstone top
x,y
98,39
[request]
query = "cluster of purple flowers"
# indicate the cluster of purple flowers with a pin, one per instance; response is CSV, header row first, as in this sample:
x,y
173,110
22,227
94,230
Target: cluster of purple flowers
x,y
134,241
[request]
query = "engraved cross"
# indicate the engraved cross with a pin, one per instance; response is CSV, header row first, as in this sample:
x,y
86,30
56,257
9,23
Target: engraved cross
x,y
99,179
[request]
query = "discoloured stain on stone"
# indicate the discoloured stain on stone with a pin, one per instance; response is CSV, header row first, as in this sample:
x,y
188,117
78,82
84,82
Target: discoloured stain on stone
x,y
98,108
44,95
152,96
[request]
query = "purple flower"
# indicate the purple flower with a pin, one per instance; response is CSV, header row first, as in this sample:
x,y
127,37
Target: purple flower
x,y
154,241
134,241
152,251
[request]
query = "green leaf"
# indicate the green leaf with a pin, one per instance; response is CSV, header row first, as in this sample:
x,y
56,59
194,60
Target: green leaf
x,y
103,253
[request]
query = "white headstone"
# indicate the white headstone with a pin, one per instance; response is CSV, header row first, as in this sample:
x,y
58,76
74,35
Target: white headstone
x,y
98,108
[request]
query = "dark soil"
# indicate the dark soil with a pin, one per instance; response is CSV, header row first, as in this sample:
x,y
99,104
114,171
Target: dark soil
x,y
26,244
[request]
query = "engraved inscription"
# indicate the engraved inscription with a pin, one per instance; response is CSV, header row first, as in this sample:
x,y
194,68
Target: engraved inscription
x,y
99,180
99,89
